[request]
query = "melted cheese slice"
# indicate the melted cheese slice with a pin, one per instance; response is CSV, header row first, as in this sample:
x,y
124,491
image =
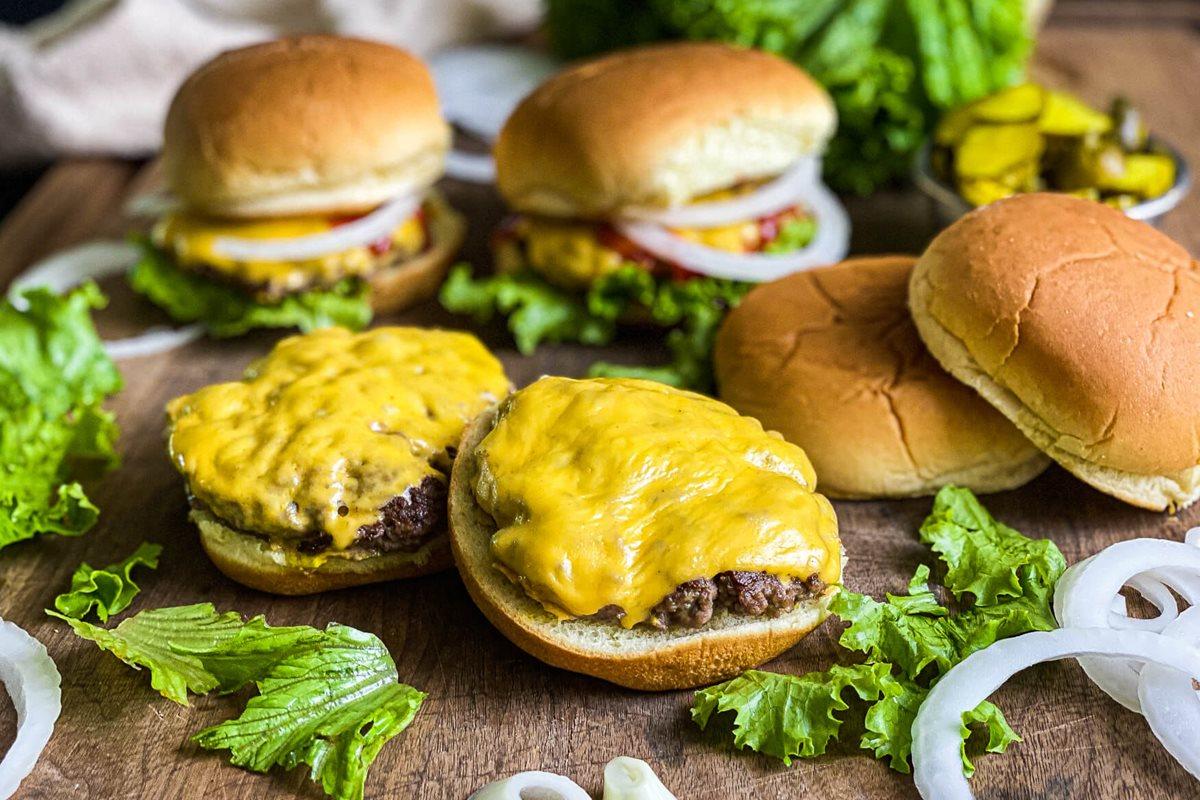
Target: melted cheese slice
x,y
190,238
330,426
617,491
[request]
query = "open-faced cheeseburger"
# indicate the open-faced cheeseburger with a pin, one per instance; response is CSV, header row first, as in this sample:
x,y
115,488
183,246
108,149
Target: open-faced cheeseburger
x,y
686,162
327,465
645,535
302,170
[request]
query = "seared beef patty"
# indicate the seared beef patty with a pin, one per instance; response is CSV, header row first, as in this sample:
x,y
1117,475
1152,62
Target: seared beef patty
x,y
751,594
407,521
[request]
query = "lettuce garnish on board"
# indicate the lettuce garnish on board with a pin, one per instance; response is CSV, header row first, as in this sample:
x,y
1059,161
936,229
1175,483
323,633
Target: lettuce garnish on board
x,y
329,699
108,590
540,312
54,378
225,311
1004,584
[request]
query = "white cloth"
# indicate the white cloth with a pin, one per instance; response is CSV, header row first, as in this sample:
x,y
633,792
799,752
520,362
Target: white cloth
x,y
96,78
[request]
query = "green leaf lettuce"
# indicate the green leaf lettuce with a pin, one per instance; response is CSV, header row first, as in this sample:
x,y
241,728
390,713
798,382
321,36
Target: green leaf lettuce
x,y
106,591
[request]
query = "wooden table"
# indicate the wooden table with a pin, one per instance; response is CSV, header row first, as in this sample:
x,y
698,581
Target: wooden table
x,y
492,710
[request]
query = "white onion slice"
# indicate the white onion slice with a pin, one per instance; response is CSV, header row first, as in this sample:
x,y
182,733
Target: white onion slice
x,y
532,786
936,731
1170,701
471,167
361,232
784,192
1086,591
34,686
69,268
151,204
828,246
628,778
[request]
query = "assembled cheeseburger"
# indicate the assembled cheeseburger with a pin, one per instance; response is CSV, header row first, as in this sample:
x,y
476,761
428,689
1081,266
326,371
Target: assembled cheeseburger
x,y
301,171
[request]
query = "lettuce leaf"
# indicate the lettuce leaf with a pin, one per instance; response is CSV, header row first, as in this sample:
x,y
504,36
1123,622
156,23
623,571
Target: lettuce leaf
x,y
225,311
54,376
329,699
538,312
109,590
909,641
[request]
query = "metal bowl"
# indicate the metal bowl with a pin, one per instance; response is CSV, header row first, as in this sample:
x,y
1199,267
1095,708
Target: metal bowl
x,y
950,205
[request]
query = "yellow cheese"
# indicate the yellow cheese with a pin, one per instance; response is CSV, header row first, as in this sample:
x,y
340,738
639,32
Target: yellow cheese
x,y
190,238
330,426
617,491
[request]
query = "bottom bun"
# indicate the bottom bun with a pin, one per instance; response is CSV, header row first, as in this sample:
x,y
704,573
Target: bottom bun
x,y
1155,492
409,282
255,563
639,658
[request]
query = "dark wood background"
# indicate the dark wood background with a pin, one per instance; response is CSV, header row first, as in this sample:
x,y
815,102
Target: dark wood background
x,y
492,710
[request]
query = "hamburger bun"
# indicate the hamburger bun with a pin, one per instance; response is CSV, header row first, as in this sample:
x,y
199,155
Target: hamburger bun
x,y
637,658
658,125
305,125
1083,327
830,359
252,562
406,283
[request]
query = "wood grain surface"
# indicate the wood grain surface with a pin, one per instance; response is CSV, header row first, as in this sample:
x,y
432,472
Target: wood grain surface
x,y
492,710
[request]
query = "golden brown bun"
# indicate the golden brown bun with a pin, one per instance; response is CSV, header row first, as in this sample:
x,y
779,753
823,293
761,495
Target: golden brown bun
x,y
251,562
638,658
1083,327
830,359
312,124
658,126
407,283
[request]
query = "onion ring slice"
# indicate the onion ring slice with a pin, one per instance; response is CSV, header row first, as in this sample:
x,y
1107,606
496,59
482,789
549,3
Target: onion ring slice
x,y
359,233
69,268
770,198
936,731
34,685
470,167
628,778
532,785
828,247
1170,700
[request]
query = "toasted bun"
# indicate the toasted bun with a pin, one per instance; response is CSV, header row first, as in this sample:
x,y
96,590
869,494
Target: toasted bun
x,y
407,283
830,359
658,126
312,124
1083,327
636,658
252,562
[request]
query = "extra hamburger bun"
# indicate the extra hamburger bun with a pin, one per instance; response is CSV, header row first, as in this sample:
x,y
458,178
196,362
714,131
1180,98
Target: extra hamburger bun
x,y
311,124
252,562
830,359
1083,327
415,280
658,126
637,658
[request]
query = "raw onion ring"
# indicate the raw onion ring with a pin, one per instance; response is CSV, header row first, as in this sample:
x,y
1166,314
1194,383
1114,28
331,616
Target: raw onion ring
x,y
1086,591
471,167
69,268
34,686
784,192
533,785
361,232
937,729
1170,701
828,246
628,778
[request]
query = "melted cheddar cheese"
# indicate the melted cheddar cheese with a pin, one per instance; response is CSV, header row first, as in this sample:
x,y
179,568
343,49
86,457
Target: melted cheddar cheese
x,y
615,491
190,239
330,426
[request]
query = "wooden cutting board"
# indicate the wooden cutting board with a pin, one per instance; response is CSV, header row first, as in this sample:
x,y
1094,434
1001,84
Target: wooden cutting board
x,y
492,710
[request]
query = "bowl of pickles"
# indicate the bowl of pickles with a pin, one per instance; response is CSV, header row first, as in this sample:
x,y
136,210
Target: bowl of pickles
x,y
1028,138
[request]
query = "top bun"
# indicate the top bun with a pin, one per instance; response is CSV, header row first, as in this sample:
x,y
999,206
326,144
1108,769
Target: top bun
x,y
1083,327
658,126
312,124
830,359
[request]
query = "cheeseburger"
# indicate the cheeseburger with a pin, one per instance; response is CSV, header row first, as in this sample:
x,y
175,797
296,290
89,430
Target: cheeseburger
x,y
641,172
301,171
664,542
328,464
